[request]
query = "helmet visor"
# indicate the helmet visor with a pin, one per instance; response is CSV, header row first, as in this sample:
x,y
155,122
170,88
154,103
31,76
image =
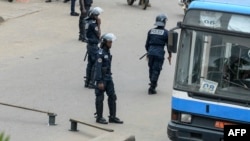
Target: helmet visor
x,y
109,37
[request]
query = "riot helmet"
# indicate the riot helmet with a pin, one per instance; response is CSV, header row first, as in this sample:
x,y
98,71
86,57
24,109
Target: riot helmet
x,y
161,20
107,37
96,11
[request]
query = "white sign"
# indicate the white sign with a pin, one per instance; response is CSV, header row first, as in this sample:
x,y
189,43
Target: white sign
x,y
208,86
210,19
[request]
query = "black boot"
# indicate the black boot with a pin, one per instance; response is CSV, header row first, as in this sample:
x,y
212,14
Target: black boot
x,y
101,120
152,87
99,110
112,110
115,120
86,85
151,91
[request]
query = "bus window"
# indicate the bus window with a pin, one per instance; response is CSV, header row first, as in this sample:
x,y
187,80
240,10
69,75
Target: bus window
x,y
219,58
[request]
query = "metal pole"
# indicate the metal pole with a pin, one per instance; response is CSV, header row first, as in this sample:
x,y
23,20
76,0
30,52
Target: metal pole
x,y
51,115
105,129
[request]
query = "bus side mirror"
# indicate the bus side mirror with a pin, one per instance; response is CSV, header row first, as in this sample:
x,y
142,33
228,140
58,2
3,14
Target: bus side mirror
x,y
172,41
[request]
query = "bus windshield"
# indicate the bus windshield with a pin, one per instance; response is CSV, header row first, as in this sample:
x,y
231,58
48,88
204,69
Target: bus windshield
x,y
223,60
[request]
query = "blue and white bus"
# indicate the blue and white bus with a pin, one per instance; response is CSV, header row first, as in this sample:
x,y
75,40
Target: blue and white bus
x,y
212,75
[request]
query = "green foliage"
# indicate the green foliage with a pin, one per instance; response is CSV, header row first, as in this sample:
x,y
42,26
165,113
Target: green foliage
x,y
3,138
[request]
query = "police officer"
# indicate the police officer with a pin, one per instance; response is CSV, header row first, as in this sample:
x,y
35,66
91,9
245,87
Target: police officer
x,y
85,6
104,81
72,8
93,33
157,38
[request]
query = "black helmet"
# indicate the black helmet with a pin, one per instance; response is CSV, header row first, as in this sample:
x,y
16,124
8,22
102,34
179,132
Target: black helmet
x,y
96,11
161,20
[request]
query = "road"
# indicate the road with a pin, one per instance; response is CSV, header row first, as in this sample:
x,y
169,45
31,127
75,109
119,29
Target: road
x,y
42,67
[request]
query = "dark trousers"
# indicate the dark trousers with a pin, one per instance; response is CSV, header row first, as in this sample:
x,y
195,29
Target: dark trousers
x,y
110,91
91,50
82,32
73,3
155,64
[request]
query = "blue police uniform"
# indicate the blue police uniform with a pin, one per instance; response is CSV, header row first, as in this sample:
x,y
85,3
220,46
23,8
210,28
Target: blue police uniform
x,y
104,81
87,5
92,34
103,75
157,38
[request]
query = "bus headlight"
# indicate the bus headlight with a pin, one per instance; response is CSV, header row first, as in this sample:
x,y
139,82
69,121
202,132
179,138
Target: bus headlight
x,y
186,118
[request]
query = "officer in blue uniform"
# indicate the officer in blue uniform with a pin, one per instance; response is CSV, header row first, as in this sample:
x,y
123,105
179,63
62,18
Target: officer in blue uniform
x,y
157,39
104,81
93,33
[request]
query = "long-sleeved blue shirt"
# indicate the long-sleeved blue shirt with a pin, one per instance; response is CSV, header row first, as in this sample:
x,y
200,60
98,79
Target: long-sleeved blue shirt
x,y
103,65
92,32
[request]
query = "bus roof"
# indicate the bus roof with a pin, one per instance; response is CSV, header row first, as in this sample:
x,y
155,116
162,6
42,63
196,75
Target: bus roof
x,y
232,6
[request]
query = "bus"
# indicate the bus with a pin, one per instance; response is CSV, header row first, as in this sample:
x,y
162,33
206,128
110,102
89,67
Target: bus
x,y
211,87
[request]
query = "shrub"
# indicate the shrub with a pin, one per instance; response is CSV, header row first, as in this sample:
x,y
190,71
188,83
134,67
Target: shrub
x,y
3,138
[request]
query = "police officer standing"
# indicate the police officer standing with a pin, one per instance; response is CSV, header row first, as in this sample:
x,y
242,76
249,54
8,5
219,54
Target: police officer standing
x,y
93,33
104,81
84,8
157,38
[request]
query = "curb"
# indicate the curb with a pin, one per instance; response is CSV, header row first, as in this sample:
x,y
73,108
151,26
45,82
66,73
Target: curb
x,y
114,137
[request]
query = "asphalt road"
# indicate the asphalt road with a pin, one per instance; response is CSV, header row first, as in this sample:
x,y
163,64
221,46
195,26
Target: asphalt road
x,y
42,67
